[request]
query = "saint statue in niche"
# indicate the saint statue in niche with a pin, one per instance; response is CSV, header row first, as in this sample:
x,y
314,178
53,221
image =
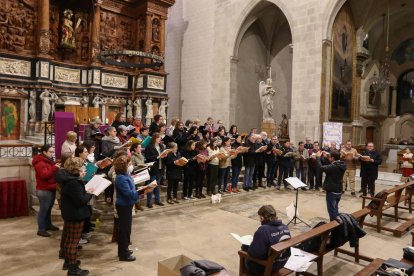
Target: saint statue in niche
x,y
98,100
68,39
129,109
9,117
156,30
284,126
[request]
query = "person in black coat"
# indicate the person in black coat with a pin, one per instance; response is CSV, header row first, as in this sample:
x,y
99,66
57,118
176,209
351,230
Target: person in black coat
x,y
236,164
190,169
260,162
173,173
333,181
153,154
369,169
180,136
120,119
154,125
74,210
271,160
285,160
249,161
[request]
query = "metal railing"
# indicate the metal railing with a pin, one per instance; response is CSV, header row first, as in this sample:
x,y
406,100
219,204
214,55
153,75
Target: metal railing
x,y
49,134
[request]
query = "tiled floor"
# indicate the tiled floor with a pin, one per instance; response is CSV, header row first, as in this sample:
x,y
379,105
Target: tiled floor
x,y
198,231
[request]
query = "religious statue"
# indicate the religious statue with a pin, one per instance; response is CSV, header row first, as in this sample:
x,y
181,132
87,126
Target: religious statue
x,y
45,98
266,94
137,105
129,109
53,99
32,107
284,126
68,32
162,110
98,100
156,30
85,101
150,112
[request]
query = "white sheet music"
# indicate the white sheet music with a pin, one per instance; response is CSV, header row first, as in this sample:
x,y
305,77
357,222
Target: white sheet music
x,y
141,177
98,183
247,239
299,260
295,182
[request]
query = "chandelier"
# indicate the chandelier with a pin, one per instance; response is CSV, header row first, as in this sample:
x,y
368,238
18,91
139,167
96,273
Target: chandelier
x,y
382,81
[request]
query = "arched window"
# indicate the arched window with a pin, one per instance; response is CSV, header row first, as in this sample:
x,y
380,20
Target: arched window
x,y
405,94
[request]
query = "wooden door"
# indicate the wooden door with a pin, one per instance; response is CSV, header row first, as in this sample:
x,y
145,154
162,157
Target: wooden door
x,y
93,112
369,136
82,115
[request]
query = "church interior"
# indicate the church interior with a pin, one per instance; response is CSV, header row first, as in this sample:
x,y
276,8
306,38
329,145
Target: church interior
x,y
314,72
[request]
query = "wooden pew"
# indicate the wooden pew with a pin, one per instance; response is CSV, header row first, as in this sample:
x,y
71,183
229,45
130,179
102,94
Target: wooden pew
x,y
392,198
376,264
322,231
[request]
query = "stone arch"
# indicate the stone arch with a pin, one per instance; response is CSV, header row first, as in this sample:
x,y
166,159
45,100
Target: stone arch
x,y
266,28
331,12
245,22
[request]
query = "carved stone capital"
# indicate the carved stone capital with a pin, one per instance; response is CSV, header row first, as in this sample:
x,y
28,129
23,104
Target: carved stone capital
x,y
361,58
44,41
97,3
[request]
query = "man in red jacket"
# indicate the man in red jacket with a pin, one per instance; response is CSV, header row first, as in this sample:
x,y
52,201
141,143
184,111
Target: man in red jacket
x,y
45,169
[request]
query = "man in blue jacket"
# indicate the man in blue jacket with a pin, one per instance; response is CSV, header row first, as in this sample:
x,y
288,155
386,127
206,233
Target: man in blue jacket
x,y
333,181
269,233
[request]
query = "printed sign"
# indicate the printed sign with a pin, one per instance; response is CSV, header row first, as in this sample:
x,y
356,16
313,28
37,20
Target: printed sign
x,y
332,132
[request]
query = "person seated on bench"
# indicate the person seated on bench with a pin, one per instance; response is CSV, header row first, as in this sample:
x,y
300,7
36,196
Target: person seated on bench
x,y
269,233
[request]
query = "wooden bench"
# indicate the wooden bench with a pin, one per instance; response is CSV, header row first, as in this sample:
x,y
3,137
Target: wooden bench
x,y
376,264
322,231
392,198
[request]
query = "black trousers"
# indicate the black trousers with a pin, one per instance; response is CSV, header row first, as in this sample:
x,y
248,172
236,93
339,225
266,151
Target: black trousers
x,y
125,223
258,174
368,182
172,187
188,183
283,174
200,175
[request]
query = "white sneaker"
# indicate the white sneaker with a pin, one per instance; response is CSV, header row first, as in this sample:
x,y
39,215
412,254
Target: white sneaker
x,y
86,236
185,198
83,241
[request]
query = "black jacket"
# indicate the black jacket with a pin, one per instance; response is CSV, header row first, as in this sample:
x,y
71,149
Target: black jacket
x,y
260,156
151,155
74,198
152,128
285,161
173,171
238,160
180,137
249,158
348,230
271,158
370,169
334,174
192,164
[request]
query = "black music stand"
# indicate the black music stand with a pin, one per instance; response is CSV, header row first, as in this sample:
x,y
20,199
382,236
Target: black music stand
x,y
296,184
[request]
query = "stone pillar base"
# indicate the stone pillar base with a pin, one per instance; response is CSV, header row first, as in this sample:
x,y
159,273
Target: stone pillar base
x,y
31,128
270,128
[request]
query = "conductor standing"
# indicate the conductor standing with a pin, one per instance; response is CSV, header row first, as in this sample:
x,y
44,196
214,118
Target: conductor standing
x,y
333,181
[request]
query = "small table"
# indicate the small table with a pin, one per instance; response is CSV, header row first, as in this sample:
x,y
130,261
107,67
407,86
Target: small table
x,y
13,198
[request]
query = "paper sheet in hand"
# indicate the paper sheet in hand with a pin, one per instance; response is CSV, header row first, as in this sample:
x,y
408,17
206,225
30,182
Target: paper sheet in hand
x,y
247,240
153,184
98,183
299,260
295,182
290,211
141,177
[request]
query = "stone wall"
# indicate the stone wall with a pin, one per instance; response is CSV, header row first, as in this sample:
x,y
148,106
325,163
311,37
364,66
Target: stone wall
x,y
208,32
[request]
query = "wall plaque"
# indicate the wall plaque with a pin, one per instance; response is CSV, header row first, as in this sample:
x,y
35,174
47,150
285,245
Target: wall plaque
x,y
155,82
15,67
116,81
67,75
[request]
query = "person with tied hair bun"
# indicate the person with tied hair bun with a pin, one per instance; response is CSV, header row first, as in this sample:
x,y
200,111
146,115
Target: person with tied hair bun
x,y
269,233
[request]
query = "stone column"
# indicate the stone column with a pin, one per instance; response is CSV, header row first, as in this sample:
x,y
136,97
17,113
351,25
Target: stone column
x,y
394,101
44,33
96,29
148,33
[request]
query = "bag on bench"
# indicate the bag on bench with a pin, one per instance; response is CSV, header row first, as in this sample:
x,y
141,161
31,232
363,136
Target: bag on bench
x,y
408,254
312,244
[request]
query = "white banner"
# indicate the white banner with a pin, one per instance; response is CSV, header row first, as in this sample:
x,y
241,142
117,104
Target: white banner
x,y
332,132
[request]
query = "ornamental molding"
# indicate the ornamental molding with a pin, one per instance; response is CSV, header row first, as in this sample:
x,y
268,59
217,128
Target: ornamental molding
x,y
44,69
116,81
96,76
67,75
15,67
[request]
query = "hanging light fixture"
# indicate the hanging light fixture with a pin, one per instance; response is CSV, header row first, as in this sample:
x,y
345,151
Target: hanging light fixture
x,y
382,81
